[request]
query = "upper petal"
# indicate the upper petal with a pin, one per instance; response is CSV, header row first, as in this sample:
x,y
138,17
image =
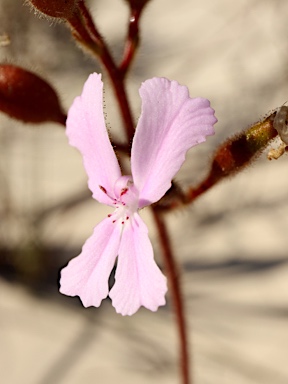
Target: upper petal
x,y
87,132
138,280
87,275
170,123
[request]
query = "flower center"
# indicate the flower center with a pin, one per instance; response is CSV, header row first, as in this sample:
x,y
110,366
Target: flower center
x,y
125,201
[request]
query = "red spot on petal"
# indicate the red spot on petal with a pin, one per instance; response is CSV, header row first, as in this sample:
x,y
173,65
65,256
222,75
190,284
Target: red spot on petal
x,y
123,191
109,215
103,189
122,222
127,217
114,221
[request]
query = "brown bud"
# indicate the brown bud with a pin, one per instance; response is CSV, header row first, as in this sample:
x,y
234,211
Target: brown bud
x,y
27,97
55,8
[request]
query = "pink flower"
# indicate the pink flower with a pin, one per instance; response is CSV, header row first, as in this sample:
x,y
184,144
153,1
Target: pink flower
x,y
169,125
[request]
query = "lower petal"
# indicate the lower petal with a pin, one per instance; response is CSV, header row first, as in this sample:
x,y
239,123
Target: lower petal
x,y
87,275
138,280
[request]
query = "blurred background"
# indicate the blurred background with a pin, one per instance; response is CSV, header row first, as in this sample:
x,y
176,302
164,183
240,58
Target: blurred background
x,y
231,245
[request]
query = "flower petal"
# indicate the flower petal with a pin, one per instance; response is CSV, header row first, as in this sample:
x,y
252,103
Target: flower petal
x,y
138,280
170,123
87,275
87,132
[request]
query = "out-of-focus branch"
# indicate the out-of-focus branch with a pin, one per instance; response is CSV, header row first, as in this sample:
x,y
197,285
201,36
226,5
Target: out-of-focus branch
x,y
231,157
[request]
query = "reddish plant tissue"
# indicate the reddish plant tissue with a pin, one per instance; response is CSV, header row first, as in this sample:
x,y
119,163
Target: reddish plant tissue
x,y
27,97
56,8
137,4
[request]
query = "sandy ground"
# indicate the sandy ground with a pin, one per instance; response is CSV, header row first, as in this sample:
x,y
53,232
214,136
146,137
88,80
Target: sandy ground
x,y
231,245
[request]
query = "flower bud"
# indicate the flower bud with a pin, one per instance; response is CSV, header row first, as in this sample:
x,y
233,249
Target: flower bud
x,y
27,97
55,8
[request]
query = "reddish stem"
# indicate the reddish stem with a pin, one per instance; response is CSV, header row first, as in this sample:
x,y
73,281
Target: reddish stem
x,y
121,95
132,41
174,281
87,34
231,157
89,23
81,34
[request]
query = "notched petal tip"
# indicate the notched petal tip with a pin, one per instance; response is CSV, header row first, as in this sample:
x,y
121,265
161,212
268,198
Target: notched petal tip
x,y
129,306
170,124
138,280
74,282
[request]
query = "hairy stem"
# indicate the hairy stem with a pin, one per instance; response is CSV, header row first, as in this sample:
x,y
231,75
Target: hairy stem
x,y
232,156
86,33
177,297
